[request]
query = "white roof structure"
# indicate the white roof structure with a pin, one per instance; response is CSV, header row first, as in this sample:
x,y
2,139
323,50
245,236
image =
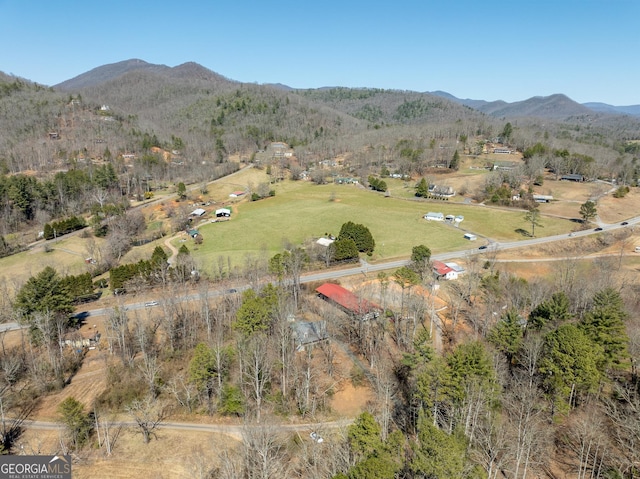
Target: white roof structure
x,y
324,241
198,212
434,216
223,211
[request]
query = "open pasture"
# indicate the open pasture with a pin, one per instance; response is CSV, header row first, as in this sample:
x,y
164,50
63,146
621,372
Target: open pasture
x,y
302,210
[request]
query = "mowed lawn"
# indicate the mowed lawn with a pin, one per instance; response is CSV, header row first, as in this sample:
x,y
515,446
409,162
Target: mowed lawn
x,y
66,256
301,211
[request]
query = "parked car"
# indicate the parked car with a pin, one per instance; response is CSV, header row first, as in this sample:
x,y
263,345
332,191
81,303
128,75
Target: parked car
x,y
624,223
484,246
598,229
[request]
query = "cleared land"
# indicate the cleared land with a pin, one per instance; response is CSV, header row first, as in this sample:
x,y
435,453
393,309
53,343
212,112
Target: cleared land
x,y
302,210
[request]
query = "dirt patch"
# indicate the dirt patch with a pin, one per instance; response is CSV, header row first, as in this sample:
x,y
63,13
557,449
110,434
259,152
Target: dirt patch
x,y
349,401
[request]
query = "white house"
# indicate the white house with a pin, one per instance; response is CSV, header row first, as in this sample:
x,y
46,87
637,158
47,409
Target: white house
x,y
442,271
456,267
434,216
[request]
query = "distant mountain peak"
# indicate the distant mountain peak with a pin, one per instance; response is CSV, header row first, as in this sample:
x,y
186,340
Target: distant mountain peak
x,y
554,106
105,73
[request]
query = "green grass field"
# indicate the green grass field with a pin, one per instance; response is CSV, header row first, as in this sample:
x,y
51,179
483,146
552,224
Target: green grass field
x,y
302,210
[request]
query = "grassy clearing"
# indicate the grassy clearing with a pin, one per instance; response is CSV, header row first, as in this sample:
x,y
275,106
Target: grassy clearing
x,y
66,255
301,210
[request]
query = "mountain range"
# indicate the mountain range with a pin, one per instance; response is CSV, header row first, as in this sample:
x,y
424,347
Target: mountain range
x,y
557,106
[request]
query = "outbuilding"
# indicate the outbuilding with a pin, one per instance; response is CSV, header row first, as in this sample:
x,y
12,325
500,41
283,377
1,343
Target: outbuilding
x,y
470,237
434,216
223,212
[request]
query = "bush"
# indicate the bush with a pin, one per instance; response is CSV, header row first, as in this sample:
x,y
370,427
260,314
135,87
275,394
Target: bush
x,y
621,192
63,227
231,401
123,387
357,376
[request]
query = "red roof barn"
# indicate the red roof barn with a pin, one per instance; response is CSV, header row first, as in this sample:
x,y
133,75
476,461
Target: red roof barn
x,y
348,301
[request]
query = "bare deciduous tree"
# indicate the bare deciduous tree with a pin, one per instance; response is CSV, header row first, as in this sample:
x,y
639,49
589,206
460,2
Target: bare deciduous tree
x,y
148,414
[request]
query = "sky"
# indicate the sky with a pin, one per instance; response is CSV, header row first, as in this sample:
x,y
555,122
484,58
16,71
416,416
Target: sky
x,y
483,50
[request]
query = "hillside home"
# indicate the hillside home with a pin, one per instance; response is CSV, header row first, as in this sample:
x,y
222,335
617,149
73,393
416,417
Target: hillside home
x,y
442,191
443,271
306,334
456,267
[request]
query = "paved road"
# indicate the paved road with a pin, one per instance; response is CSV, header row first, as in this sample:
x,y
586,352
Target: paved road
x,y
365,268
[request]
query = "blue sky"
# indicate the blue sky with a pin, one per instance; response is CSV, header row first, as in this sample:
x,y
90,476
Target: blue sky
x,y
490,50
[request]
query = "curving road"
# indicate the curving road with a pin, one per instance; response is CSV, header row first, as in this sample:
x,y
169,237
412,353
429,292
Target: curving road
x,y
364,267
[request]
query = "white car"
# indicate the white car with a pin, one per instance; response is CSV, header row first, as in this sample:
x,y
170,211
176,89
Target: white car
x,y
316,437
150,304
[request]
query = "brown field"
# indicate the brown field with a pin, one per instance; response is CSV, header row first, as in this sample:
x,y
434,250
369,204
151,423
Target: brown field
x,y
174,454
612,210
570,190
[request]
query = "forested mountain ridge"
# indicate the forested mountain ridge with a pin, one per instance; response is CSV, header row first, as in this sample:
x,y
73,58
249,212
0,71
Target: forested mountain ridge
x,y
105,73
552,106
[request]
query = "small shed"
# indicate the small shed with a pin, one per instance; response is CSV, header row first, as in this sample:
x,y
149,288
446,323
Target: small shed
x,y
434,216
542,198
470,236
236,194
325,241
223,212
572,177
198,212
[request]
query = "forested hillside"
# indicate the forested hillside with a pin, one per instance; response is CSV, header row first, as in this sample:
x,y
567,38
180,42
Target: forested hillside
x,y
500,373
